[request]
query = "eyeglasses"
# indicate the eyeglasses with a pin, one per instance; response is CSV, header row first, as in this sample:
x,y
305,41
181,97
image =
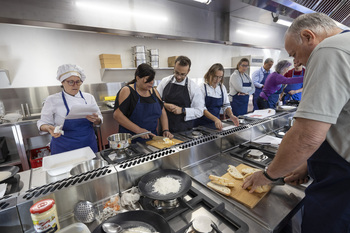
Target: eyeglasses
x,y
178,74
71,82
218,77
245,66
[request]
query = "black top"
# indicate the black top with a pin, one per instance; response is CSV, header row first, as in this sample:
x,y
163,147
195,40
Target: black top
x,y
129,104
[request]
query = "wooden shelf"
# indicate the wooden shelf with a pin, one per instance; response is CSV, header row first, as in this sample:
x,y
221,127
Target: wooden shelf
x,y
127,74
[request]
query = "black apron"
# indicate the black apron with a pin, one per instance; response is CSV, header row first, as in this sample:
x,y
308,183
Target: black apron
x,y
326,204
178,95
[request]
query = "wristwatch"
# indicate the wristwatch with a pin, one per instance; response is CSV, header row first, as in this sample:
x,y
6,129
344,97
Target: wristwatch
x,y
277,181
184,110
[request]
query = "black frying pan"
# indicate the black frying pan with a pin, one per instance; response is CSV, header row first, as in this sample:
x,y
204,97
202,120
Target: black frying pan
x,y
12,169
136,218
147,181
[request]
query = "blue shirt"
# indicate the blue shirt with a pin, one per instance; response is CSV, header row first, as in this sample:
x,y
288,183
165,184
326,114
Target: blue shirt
x,y
258,76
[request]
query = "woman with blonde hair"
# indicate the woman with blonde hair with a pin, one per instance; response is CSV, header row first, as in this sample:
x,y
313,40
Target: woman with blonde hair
x,y
216,98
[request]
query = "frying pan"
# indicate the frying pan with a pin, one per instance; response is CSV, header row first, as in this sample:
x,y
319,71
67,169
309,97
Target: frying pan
x,y
136,218
147,181
122,140
12,169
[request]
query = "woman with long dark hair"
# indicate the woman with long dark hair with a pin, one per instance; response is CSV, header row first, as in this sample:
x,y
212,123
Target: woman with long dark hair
x,y
138,106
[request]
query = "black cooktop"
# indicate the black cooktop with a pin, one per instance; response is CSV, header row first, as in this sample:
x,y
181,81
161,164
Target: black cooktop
x,y
193,205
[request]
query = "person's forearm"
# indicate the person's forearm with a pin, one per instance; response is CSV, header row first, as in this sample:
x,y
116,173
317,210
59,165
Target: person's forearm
x,y
229,112
164,120
210,116
45,127
299,143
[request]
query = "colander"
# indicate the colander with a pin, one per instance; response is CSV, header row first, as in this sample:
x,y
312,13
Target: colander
x,y
85,212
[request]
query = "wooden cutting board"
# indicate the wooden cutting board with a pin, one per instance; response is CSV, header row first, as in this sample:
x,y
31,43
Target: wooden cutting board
x,y
160,143
241,195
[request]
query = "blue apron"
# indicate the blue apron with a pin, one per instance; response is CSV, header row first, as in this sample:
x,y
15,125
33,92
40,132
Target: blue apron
x,y
273,98
326,204
78,133
294,86
258,91
178,95
145,115
213,105
239,103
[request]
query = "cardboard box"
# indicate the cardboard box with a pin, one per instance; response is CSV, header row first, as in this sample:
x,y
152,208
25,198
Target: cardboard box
x,y
115,56
111,65
171,61
110,60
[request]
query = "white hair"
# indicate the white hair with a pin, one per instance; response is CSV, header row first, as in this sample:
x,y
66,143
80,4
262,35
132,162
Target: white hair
x,y
282,65
318,23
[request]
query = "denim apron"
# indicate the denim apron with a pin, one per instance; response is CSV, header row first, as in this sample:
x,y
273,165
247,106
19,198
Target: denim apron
x,y
239,103
258,90
294,86
78,133
326,203
178,95
145,115
213,106
273,98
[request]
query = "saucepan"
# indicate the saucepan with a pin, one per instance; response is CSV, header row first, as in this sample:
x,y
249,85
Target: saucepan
x,y
122,140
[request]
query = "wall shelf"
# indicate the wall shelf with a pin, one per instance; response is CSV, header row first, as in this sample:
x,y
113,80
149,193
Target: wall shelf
x,y
7,74
127,74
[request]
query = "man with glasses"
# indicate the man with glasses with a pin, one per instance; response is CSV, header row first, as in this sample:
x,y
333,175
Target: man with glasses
x,y
77,133
182,97
259,77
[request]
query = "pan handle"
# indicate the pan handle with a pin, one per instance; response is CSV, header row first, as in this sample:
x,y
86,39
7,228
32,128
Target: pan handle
x,y
139,135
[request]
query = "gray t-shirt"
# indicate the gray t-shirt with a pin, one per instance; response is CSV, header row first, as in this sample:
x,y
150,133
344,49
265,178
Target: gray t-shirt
x,y
326,93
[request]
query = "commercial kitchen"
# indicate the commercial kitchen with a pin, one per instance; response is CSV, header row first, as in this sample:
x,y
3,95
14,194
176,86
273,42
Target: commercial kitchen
x,y
115,185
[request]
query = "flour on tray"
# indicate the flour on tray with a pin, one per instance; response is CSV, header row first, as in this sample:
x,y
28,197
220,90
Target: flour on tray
x,y
166,185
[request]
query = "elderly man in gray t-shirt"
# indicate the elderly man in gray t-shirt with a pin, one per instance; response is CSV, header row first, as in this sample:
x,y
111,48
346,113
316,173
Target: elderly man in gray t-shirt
x,y
320,135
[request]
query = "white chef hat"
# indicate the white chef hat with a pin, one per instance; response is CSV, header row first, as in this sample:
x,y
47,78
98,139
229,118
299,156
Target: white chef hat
x,y
67,70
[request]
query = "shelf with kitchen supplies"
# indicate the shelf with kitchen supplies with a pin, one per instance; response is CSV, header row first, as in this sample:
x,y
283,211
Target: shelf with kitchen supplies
x,y
7,75
126,74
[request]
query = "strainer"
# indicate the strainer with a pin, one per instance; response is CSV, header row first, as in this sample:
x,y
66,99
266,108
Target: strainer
x,y
84,211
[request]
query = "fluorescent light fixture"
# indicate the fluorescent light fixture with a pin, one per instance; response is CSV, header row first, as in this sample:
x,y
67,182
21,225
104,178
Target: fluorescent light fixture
x,y
252,34
144,15
203,1
284,22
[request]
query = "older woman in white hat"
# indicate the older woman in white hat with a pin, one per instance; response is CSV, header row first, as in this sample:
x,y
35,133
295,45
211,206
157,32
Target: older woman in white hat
x,y
77,133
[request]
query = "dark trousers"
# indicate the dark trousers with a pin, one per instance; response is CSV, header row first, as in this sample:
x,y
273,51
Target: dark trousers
x,y
262,103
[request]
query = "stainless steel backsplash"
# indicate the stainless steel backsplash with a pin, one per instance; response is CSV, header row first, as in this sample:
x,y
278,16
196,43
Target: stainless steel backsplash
x,y
35,96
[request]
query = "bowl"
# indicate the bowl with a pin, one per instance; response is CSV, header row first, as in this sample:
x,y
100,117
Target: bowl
x,y
12,117
88,166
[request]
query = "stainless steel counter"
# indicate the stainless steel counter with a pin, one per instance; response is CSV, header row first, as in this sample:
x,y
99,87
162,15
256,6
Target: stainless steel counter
x,y
197,157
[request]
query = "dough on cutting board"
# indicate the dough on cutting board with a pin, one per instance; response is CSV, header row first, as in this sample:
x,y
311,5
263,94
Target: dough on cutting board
x,y
220,188
232,170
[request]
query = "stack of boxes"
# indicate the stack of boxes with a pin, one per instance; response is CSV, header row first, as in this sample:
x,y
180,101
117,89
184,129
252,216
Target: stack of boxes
x,y
139,54
154,58
110,61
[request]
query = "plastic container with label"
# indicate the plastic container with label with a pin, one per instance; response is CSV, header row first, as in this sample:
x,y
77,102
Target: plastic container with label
x,y
44,216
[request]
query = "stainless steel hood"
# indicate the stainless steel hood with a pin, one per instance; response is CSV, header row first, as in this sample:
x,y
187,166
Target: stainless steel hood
x,y
169,19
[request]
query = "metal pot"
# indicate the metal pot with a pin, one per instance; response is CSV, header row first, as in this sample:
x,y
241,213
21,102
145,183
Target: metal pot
x,y
122,140
88,166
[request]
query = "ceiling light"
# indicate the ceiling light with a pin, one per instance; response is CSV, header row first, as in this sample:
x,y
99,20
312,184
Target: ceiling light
x,y
252,34
203,1
121,11
284,22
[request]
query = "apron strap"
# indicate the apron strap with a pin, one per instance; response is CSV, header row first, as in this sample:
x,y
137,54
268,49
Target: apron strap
x,y
66,104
